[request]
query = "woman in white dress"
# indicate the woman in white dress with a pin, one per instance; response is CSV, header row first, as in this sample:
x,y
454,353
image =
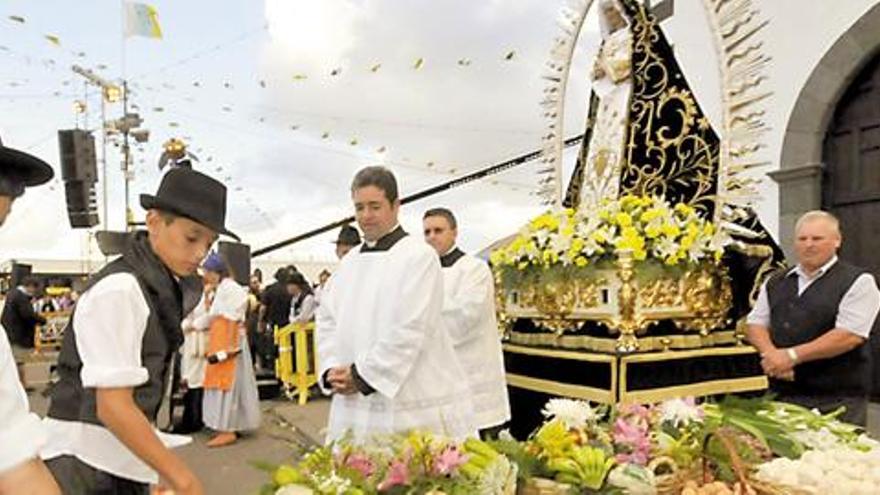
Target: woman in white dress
x,y
231,403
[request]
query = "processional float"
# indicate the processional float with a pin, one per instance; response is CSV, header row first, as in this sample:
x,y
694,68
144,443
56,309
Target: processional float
x,y
633,286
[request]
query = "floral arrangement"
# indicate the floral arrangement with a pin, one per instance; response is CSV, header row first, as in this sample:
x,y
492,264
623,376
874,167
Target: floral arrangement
x,y
648,227
415,463
678,446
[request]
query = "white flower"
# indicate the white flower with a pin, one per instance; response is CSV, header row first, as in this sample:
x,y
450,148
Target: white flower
x,y
680,412
499,477
294,490
573,413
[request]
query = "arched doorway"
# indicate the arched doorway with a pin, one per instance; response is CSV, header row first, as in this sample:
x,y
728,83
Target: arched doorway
x,y
802,165
851,177
851,180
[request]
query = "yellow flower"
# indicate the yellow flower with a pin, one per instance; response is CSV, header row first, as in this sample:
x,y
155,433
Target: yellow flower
x,y
683,209
692,229
522,265
599,236
569,212
687,241
545,222
567,231
577,245
581,261
549,256
670,229
708,229
634,243
639,254
652,231
623,219
651,215
629,232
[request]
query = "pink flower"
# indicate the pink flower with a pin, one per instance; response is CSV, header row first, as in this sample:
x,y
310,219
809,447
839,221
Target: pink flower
x,y
362,464
398,475
633,441
448,461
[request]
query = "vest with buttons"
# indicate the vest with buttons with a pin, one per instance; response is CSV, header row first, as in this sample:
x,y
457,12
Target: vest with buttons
x,y
795,320
167,300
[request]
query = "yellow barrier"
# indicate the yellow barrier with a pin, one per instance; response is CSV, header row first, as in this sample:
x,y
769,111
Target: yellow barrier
x,y
293,371
48,336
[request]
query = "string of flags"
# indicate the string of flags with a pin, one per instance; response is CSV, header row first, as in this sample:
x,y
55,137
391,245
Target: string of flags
x,y
142,20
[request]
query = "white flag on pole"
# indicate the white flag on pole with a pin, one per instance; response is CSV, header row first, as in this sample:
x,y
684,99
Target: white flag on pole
x,y
141,20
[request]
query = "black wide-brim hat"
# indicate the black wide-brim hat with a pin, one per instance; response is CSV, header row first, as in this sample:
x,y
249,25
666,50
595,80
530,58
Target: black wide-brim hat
x,y
28,169
193,195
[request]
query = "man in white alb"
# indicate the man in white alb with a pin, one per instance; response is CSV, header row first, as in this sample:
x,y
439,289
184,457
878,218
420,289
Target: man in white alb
x,y
382,349
469,316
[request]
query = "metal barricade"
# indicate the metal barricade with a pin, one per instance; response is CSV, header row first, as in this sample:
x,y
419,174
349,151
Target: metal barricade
x,y
297,373
49,335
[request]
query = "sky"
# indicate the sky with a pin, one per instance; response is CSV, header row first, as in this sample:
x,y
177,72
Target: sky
x,y
433,90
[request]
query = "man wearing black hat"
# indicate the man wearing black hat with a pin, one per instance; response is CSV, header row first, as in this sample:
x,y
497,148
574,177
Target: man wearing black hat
x,y
21,432
348,239
119,344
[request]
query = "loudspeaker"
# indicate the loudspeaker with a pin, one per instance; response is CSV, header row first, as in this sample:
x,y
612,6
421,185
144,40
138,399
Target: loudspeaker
x,y
78,162
82,204
238,258
19,272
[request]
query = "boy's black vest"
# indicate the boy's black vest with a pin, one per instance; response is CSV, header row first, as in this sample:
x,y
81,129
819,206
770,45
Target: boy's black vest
x,y
168,301
795,320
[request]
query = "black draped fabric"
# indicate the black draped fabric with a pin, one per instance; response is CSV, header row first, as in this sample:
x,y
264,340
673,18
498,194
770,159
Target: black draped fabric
x,y
672,151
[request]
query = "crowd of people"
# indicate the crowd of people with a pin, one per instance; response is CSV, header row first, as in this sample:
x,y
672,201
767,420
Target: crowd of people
x,y
406,337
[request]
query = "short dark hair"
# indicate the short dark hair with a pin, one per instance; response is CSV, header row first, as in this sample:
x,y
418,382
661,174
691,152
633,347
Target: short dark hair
x,y
167,216
442,212
30,281
377,176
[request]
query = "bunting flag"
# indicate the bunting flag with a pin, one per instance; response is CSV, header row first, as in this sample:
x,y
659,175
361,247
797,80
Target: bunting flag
x,y
17,18
141,20
51,38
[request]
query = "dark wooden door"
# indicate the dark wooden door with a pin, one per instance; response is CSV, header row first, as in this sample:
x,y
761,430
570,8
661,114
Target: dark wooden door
x,y
851,187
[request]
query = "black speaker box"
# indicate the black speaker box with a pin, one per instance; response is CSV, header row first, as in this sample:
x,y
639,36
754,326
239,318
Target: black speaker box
x,y
82,205
78,161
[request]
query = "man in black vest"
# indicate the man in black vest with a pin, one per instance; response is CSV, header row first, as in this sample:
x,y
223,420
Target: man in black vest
x,y
117,349
811,324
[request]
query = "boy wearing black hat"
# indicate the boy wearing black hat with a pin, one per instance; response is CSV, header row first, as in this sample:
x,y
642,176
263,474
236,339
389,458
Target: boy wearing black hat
x,y
119,344
21,432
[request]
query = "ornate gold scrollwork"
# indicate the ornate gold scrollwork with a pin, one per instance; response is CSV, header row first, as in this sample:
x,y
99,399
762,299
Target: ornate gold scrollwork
x,y
662,292
628,320
708,297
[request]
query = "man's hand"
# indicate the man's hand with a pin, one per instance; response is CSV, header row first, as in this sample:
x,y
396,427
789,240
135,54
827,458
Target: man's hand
x,y
777,363
341,380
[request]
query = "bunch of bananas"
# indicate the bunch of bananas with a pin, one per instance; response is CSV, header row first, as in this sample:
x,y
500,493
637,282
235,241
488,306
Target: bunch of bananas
x,y
584,466
480,456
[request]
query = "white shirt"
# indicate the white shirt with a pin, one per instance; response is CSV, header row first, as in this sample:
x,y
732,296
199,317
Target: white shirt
x,y
382,312
110,321
195,344
306,311
469,316
21,432
230,301
856,312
